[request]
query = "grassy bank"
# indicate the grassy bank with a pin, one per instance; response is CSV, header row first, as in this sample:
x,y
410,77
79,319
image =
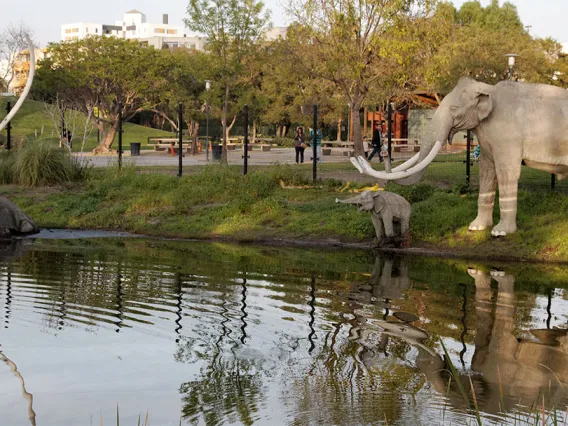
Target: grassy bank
x,y
279,203
33,118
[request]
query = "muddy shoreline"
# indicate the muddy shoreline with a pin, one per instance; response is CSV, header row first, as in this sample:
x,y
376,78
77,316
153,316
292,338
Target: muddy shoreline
x,y
333,244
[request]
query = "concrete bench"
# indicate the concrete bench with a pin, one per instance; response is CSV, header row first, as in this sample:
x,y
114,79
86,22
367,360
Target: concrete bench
x,y
265,147
348,152
326,151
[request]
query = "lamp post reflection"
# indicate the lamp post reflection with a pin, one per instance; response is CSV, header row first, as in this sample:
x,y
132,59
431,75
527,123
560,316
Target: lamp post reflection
x,y
243,308
312,304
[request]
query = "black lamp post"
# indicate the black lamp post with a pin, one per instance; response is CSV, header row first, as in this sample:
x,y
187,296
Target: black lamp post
x,y
207,87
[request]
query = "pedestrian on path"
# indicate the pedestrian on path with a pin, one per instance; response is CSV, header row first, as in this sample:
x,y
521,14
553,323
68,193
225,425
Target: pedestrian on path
x,y
300,145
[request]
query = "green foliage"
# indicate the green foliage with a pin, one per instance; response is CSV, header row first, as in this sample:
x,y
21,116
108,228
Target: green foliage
x,y
41,164
7,159
107,74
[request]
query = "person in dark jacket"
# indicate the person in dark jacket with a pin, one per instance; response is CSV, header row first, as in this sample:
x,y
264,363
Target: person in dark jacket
x,y
300,145
377,143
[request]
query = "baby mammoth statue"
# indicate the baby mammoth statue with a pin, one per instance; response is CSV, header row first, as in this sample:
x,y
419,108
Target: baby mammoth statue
x,y
387,210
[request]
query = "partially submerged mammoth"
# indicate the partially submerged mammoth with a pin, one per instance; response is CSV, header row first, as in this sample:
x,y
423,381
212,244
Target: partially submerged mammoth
x,y
13,221
503,118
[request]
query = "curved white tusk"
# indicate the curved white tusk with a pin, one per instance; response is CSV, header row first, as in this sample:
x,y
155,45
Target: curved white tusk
x,y
26,91
407,164
401,174
357,165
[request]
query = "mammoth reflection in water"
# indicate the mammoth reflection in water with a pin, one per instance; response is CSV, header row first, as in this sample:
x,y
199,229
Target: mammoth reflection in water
x,y
506,367
13,248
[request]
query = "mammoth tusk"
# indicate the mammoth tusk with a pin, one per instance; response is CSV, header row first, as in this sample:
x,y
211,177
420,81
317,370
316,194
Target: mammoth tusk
x,y
407,164
367,169
355,162
26,91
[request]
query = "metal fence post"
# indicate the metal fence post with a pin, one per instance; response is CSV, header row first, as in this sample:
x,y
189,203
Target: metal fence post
x,y
180,138
389,130
8,128
120,135
552,182
314,144
246,141
467,158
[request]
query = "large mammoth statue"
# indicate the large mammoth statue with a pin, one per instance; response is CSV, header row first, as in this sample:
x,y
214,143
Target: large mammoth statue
x,y
514,122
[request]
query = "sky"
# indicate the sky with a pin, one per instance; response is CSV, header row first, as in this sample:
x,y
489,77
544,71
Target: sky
x,y
547,18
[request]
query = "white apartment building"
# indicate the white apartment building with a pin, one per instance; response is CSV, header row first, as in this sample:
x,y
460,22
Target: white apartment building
x,y
275,33
132,26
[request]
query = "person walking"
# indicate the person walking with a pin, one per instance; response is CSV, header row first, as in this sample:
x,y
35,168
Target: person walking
x,y
300,145
377,143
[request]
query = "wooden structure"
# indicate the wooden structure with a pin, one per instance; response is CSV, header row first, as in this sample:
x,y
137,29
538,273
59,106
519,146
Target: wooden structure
x,y
378,119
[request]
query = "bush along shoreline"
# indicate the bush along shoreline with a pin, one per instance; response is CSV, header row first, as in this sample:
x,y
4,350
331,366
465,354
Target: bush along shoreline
x,y
277,204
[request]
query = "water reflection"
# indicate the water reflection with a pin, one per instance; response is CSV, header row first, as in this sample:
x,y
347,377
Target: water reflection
x,y
272,336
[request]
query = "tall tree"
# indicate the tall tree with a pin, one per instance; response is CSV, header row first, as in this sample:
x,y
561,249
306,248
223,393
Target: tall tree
x,y
106,74
234,30
344,42
12,42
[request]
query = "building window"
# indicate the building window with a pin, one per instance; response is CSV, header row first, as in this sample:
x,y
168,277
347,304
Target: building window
x,y
75,30
172,31
159,30
96,30
87,29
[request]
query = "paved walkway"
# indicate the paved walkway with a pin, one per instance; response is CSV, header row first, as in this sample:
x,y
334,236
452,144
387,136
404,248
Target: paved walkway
x,y
152,158
274,156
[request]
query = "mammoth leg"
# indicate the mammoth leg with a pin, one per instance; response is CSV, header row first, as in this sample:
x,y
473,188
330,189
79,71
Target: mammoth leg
x,y
508,177
486,199
404,223
379,229
387,221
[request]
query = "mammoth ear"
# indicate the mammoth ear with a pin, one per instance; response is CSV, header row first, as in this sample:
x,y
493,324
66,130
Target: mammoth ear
x,y
379,201
484,105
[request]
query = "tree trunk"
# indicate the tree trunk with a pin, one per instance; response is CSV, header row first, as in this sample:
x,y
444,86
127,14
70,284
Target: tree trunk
x,y
195,130
278,131
231,126
284,130
254,132
107,140
339,123
224,125
356,126
365,121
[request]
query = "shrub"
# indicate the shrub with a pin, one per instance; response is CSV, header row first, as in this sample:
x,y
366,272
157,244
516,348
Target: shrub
x,y
42,164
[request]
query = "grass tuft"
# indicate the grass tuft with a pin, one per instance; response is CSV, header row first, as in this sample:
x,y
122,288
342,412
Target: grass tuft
x,y
41,164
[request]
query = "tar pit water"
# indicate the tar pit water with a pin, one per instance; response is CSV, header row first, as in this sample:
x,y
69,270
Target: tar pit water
x,y
110,331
